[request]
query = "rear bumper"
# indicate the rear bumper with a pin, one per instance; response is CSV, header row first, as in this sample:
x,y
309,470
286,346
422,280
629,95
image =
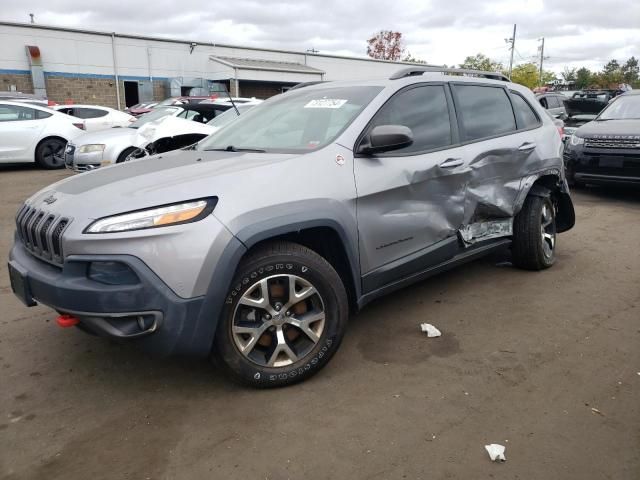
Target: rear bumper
x,y
148,312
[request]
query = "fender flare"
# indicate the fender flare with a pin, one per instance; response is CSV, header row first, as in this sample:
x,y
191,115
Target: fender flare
x,y
566,217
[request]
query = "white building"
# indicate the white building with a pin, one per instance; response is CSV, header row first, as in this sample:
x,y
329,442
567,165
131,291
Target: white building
x,y
119,70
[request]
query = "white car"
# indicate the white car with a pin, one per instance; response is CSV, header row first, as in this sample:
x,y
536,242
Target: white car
x,y
31,133
97,118
171,133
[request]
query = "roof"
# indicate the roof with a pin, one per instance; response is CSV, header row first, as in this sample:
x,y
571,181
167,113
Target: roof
x,y
273,66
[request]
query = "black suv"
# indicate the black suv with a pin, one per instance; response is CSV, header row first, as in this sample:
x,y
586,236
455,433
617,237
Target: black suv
x,y
607,150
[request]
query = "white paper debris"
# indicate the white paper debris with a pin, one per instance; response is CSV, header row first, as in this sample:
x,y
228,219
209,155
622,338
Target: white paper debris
x,y
430,330
496,452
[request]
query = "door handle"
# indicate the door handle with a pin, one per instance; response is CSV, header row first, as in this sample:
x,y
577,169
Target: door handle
x,y
451,162
526,146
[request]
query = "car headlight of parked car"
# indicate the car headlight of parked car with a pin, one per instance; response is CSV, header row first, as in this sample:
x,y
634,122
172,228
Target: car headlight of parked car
x,y
162,216
576,140
98,147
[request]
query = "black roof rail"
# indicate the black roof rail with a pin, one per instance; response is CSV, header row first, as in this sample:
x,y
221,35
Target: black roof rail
x,y
413,71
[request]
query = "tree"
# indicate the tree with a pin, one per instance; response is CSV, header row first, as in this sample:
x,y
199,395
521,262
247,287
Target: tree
x,y
526,74
583,78
611,75
630,71
410,58
386,45
481,62
569,74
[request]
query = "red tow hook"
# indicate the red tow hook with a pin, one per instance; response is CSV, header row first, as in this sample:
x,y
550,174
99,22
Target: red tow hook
x,y
66,321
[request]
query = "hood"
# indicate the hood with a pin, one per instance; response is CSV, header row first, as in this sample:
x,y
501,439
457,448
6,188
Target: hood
x,y
169,127
104,136
609,128
167,178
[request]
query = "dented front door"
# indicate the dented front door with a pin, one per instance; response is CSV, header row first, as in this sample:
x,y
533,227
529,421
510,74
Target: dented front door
x,y
411,199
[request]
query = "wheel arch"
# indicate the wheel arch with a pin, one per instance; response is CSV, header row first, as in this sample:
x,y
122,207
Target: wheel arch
x,y
550,183
44,139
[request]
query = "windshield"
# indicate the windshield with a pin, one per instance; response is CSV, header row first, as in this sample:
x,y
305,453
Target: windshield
x,y
625,107
228,116
155,114
297,121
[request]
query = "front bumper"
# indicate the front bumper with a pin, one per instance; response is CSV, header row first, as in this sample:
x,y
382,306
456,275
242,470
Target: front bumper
x,y
148,312
602,166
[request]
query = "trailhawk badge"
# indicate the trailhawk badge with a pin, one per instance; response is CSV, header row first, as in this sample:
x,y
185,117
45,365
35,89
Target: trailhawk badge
x,y
50,199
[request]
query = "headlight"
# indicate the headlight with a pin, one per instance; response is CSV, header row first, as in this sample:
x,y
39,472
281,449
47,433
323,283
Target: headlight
x,y
162,216
575,140
91,148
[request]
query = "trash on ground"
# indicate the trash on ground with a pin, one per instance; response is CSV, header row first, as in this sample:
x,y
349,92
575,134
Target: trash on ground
x,y
496,452
430,330
595,410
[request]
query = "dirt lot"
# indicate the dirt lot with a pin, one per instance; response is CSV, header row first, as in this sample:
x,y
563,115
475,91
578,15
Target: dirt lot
x,y
524,360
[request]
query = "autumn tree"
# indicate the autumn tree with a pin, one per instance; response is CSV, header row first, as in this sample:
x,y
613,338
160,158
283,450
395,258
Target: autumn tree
x,y
569,74
481,62
386,45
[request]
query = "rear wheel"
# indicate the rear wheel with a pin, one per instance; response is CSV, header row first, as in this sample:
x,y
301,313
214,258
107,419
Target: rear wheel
x,y
534,234
283,319
50,153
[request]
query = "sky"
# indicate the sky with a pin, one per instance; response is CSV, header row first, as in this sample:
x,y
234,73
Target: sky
x,y
577,32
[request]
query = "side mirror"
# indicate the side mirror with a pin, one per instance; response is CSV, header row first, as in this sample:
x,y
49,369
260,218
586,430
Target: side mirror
x,y
385,138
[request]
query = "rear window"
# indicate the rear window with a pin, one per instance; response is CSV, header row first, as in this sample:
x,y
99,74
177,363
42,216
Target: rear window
x,y
484,111
89,113
525,115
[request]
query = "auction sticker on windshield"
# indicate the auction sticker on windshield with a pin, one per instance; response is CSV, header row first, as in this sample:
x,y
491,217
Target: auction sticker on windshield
x,y
325,103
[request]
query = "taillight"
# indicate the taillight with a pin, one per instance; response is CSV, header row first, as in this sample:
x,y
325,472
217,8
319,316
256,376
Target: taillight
x,y
79,125
561,131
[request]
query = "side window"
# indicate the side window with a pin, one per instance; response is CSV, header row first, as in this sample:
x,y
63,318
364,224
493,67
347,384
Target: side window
x,y
67,111
553,102
483,111
89,113
525,115
41,114
15,113
424,110
543,102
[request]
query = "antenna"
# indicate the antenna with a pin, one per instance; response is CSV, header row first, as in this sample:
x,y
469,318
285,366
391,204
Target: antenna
x,y
231,100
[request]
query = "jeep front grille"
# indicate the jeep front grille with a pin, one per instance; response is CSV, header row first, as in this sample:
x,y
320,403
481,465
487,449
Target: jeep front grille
x,y
41,233
612,143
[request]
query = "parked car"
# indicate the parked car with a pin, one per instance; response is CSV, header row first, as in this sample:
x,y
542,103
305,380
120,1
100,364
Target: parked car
x,y
553,102
255,246
96,149
34,133
571,124
140,108
607,150
97,118
589,102
172,133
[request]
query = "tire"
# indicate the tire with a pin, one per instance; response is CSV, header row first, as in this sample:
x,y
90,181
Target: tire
x,y
46,151
534,234
125,153
284,341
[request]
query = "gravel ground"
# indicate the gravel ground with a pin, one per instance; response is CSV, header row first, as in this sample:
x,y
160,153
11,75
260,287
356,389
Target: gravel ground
x,y
547,364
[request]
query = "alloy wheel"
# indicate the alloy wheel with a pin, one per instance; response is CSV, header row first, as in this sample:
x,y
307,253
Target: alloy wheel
x,y
278,320
548,229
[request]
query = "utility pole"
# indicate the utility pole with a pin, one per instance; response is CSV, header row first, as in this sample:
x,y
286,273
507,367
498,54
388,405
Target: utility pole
x,y
541,59
512,40
32,18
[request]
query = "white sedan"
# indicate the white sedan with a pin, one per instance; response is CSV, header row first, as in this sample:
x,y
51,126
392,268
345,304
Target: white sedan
x,y
97,118
31,133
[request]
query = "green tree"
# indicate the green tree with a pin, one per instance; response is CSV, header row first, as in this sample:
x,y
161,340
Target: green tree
x,y
482,62
631,71
611,75
583,78
528,74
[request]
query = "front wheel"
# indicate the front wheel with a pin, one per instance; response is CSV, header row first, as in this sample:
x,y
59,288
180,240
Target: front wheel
x,y
283,319
534,234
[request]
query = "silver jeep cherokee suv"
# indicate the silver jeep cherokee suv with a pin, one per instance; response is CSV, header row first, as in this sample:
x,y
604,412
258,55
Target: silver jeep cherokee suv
x,y
254,245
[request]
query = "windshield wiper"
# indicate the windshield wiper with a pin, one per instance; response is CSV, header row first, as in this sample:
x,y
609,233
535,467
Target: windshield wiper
x,y
231,148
